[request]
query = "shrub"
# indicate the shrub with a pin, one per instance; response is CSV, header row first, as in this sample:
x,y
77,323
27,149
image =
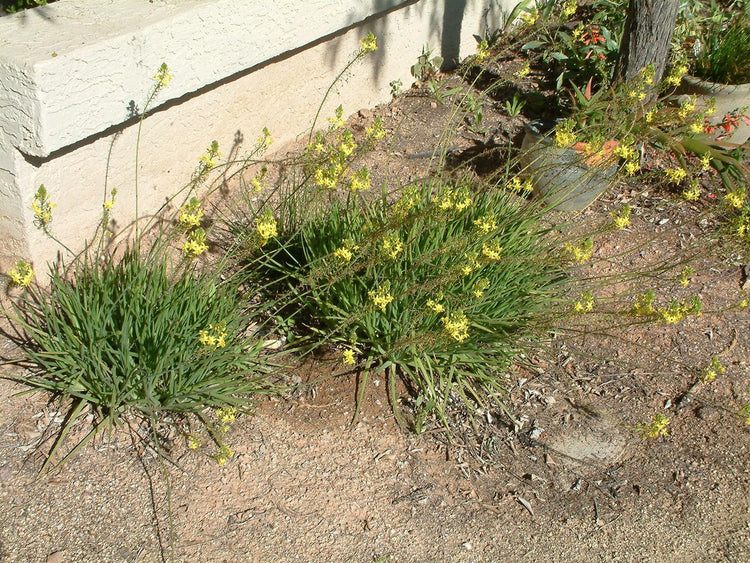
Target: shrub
x,y
439,287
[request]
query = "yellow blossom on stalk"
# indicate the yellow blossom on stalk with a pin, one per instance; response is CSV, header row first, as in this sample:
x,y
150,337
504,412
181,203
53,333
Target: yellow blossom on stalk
x,y
110,203
644,304
621,218
675,75
435,306
585,303
492,250
735,199
706,161
483,50
214,337
578,33
225,454
347,357
696,127
258,181
408,201
360,180
196,243
457,326
568,8
343,254
210,157
516,185
193,442
486,224
714,368
381,296
376,131
21,274
347,145
693,193
647,74
480,286
369,43
523,71
42,208
675,175
265,140
686,108
650,115
191,214
392,245
265,227
658,427
580,252
564,136
676,310
631,167
710,107
472,264
162,77
529,18
337,121
226,414
684,278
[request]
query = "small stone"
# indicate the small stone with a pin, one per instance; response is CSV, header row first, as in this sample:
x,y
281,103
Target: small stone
x,y
56,557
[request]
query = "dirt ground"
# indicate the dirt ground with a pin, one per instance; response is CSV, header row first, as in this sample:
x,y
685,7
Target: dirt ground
x,y
570,480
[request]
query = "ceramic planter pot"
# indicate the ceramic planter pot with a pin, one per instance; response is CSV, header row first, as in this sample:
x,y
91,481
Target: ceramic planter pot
x,y
728,98
561,175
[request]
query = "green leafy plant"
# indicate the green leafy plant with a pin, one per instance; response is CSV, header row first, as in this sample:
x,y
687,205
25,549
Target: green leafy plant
x,y
426,67
439,287
13,6
515,106
725,56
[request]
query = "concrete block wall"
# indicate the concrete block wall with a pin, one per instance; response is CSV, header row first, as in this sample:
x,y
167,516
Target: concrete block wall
x,y
71,73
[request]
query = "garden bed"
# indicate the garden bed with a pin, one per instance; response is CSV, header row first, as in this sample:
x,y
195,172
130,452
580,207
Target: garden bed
x,y
567,476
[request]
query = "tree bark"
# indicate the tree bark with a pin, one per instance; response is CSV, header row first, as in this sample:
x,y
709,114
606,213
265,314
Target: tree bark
x,y
648,32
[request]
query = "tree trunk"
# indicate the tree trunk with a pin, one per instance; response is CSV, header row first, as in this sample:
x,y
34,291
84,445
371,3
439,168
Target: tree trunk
x,y
648,33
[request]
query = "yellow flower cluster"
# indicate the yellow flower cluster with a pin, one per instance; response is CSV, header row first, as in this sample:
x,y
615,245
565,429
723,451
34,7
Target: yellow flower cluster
x,y
678,310
193,442
686,108
580,252
457,199
110,203
195,244
21,274
523,71
369,43
564,136
206,162
684,278
480,286
265,228
225,415
568,8
191,214
162,77
515,184
42,208
381,296
714,368
408,201
457,326
392,245
735,199
471,265
621,218
492,250
360,181
631,157
225,454
265,140
347,357
258,181
435,306
337,121
644,304
529,17
693,192
343,254
585,303
214,337
486,224
658,427
675,75
675,175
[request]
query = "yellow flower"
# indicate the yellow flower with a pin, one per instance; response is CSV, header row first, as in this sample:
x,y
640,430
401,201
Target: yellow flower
x,y
21,274
191,214
486,224
580,252
337,121
110,203
226,414
658,427
714,368
631,167
492,250
162,77
360,180
376,131
693,193
392,245
530,17
435,306
214,337
42,208
564,136
196,243
343,254
675,75
225,454
644,304
516,185
696,127
193,442
621,218
265,140
735,199
347,357
568,8
369,43
675,175
585,303
650,114
265,227
381,296
480,287
684,278
523,71
686,108
706,161
457,326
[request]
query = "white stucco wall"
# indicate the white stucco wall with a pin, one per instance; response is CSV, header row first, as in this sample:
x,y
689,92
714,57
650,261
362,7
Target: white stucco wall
x,y
69,70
